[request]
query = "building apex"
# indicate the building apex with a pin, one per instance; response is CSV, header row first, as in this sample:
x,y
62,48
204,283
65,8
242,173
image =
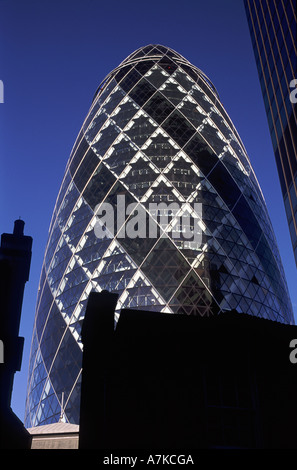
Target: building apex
x,y
154,50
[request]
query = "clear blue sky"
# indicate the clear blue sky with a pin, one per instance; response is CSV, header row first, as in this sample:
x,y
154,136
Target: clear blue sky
x,y
54,54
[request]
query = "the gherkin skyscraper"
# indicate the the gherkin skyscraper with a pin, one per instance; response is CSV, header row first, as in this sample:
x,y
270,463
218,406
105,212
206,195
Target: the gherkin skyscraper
x,y
156,133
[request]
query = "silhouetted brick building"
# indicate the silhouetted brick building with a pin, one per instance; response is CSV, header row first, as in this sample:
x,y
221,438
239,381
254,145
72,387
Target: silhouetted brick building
x,y
15,259
185,382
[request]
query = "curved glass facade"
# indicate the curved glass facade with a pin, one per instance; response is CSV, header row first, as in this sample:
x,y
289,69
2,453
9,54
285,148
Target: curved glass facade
x,y
156,133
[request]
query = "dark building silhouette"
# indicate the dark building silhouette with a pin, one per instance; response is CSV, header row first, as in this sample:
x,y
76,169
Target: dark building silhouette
x,y
185,382
273,30
97,336
15,259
